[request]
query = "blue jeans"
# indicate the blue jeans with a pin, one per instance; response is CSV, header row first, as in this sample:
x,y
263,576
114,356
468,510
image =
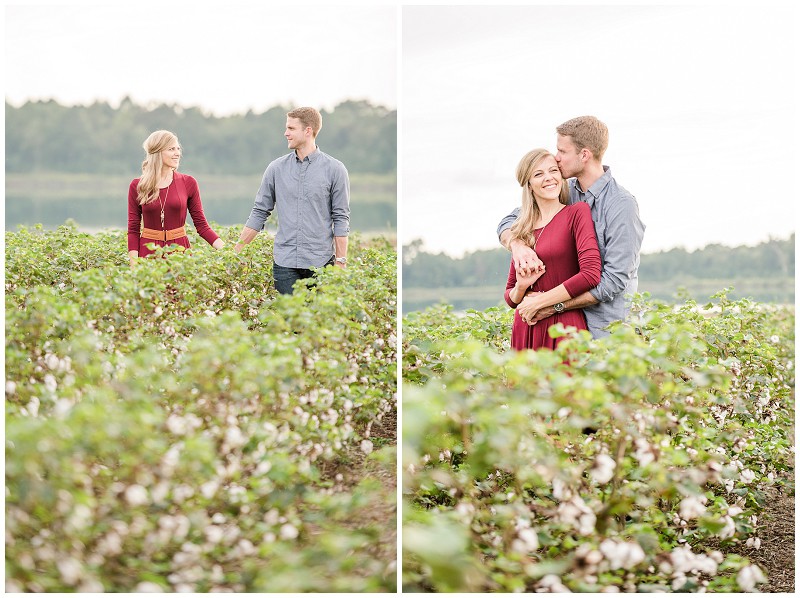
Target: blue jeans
x,y
286,277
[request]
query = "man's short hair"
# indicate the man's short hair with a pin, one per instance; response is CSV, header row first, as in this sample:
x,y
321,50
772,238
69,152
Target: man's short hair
x,y
586,132
310,117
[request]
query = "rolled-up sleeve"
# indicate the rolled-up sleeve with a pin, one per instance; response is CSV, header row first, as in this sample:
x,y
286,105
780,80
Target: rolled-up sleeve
x,y
507,221
264,202
623,236
340,202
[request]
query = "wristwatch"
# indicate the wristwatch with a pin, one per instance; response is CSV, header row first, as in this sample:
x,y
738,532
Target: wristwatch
x,y
341,260
559,307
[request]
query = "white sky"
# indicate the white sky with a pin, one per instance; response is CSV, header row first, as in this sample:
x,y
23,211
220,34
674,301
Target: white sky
x,y
700,102
226,57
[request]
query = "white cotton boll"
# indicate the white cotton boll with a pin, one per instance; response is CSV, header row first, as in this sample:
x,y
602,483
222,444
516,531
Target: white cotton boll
x,y
747,476
530,539
603,469
735,510
176,425
50,382
753,543
213,534
289,532
51,361
11,387
136,495
692,507
234,437
749,576
366,446
148,587
728,530
552,583
209,489
560,489
70,570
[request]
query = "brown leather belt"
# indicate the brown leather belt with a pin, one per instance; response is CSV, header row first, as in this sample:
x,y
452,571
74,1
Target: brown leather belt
x,y
163,235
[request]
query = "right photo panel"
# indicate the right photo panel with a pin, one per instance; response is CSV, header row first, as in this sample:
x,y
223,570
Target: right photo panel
x,y
598,304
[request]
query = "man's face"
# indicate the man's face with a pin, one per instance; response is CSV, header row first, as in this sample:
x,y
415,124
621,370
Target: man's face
x,y
295,133
568,157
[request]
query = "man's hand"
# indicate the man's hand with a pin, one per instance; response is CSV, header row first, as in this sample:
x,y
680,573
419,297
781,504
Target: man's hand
x,y
542,314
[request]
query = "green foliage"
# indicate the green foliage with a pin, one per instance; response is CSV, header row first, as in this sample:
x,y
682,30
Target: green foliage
x,y
761,272
180,427
48,137
615,463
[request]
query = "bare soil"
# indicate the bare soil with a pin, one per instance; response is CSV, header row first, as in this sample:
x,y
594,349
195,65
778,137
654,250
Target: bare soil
x,y
777,533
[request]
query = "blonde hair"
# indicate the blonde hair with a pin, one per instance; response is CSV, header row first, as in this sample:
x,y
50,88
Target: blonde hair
x,y
529,213
309,117
157,142
586,132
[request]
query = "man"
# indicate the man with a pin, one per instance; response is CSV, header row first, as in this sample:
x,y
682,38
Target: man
x,y
311,192
580,146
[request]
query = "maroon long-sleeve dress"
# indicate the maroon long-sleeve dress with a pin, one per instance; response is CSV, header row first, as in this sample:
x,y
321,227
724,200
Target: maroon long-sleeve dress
x,y
568,247
184,194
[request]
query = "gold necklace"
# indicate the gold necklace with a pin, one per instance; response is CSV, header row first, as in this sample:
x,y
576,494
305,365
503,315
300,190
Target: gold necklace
x,y
163,205
541,232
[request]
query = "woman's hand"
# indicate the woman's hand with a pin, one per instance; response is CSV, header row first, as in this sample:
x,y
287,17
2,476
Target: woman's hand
x,y
523,282
528,307
218,244
133,256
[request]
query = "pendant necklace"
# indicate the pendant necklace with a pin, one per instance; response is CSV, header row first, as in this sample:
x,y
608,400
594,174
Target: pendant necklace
x,y
541,232
163,205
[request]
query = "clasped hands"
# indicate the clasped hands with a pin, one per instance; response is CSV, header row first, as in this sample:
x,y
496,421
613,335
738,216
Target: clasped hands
x,y
529,269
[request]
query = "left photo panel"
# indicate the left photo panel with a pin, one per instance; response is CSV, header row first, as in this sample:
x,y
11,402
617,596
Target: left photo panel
x,y
201,298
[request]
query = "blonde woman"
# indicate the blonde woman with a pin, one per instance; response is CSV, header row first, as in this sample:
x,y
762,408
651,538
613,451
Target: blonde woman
x,y
159,199
563,237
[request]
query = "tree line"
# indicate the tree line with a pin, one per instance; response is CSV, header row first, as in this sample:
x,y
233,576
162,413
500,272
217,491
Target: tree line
x,y
771,259
45,136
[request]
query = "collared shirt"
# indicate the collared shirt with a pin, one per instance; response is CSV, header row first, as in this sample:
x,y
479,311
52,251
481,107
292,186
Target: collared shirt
x,y
620,231
312,201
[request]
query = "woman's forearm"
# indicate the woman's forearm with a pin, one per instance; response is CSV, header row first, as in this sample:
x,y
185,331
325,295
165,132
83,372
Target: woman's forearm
x,y
558,294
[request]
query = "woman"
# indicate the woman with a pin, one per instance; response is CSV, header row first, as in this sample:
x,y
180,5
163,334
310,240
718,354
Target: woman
x,y
158,200
564,239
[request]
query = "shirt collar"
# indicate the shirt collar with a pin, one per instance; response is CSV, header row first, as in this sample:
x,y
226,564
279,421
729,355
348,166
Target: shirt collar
x,y
591,194
310,157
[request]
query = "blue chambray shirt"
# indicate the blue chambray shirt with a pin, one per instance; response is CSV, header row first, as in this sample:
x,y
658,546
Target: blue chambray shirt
x,y
312,202
619,231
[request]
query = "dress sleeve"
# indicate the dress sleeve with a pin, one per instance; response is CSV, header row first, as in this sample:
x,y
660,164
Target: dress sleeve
x,y
134,216
588,276
195,207
512,281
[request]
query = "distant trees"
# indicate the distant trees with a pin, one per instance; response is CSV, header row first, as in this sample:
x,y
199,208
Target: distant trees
x,y
45,136
772,259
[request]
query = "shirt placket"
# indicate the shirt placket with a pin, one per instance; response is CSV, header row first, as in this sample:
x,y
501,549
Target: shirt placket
x,y
301,198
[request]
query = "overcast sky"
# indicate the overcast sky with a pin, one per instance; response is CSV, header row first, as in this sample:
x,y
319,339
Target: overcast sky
x,y
226,57
701,105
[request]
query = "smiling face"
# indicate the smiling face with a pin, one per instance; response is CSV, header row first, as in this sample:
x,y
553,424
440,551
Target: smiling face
x,y
546,180
296,134
171,155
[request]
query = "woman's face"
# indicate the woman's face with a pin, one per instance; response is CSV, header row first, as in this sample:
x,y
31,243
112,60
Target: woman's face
x,y
171,156
546,180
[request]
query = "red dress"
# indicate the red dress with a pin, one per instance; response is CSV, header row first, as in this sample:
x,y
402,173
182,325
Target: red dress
x,y
568,247
183,194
